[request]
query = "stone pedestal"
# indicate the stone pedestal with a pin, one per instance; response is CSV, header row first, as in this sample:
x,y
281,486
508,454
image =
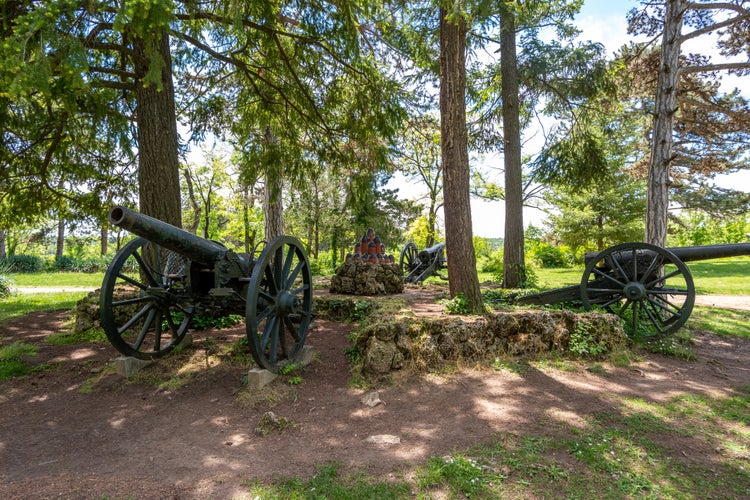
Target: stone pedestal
x,y
365,278
257,378
125,366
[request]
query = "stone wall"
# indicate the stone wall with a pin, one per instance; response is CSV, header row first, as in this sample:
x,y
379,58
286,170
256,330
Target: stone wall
x,y
425,344
364,278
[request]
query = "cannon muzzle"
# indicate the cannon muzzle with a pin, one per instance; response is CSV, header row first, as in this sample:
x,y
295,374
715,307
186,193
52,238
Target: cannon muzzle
x,y
193,247
707,252
428,254
704,252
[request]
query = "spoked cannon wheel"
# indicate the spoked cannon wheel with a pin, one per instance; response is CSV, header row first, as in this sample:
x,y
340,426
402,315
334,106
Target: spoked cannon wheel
x,y
279,303
409,258
145,305
647,286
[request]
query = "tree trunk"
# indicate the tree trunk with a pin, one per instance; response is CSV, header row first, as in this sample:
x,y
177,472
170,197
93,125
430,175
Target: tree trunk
x,y
193,202
3,254
59,248
462,268
514,268
103,238
657,200
431,221
158,163
273,209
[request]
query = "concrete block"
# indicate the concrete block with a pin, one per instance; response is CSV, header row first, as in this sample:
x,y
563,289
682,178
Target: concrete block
x,y
128,365
187,340
257,378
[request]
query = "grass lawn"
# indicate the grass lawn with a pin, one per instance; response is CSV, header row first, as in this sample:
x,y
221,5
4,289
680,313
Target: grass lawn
x,y
88,280
730,276
22,304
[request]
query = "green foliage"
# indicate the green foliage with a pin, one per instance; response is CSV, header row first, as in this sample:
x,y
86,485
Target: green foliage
x,y
12,362
459,305
293,371
463,475
546,255
329,483
677,344
23,264
528,277
498,296
79,264
338,309
699,228
204,322
456,305
6,282
491,263
598,216
583,341
323,265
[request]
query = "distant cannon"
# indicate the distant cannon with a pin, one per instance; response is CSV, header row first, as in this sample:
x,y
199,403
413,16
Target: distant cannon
x,y
650,287
418,266
156,284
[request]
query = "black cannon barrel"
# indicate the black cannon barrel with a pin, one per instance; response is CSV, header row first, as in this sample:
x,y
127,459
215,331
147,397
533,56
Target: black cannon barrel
x,y
696,253
193,247
428,254
707,252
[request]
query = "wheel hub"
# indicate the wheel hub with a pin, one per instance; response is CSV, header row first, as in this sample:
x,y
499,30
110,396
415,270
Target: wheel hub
x,y
634,290
285,302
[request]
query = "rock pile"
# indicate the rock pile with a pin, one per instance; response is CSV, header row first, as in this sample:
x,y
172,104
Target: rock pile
x,y
365,278
429,344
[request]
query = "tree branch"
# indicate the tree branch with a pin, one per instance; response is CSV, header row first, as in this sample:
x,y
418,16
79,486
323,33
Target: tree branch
x,y
714,27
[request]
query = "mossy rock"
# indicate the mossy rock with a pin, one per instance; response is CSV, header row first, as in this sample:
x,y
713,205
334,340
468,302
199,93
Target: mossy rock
x,y
426,344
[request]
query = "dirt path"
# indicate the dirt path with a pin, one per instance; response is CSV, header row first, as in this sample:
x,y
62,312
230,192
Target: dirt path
x,y
61,434
741,302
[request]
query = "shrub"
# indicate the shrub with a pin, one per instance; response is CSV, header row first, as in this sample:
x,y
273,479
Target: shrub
x,y
529,278
6,282
549,256
79,265
23,264
491,263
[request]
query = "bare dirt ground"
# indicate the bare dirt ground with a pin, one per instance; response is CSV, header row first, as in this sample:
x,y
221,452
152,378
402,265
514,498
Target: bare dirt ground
x,y
62,436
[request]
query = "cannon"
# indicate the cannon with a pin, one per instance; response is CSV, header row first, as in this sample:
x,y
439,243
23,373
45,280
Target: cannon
x,y
417,266
160,280
650,287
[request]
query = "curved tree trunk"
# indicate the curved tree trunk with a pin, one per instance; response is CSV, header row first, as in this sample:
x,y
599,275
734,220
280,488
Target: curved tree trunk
x,y
657,200
462,266
158,163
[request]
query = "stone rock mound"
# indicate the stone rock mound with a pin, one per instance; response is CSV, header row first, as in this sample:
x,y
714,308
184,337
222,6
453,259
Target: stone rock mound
x,y
365,278
430,343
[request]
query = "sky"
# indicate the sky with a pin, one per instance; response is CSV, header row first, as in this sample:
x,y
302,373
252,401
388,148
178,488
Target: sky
x,y
601,21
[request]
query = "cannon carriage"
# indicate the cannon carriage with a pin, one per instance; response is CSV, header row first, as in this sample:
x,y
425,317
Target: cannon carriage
x,y
650,287
417,265
160,280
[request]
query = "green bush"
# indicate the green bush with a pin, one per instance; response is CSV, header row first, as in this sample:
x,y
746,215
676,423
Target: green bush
x,y
529,279
63,263
548,256
6,282
79,265
491,263
23,264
